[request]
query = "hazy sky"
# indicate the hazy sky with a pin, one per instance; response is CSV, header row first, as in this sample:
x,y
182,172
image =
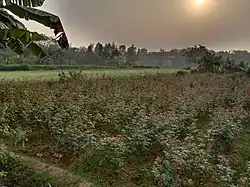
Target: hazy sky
x,y
154,24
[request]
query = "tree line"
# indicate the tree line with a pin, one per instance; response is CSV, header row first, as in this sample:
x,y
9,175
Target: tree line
x,y
207,60
112,54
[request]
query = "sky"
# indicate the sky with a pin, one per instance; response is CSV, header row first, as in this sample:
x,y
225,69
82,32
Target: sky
x,y
153,24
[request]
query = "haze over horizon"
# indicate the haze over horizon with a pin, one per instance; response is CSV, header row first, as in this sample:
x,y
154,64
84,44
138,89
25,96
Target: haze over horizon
x,y
167,24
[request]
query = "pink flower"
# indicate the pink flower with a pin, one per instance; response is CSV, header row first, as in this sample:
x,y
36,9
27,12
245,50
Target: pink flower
x,y
248,91
180,94
229,109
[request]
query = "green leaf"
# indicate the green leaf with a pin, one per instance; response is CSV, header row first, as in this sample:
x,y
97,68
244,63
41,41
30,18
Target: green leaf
x,y
19,39
36,50
3,34
3,25
16,46
9,20
28,3
45,18
25,36
15,33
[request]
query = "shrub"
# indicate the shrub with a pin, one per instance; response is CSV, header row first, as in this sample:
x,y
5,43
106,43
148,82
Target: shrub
x,y
163,171
18,174
105,157
248,72
184,129
180,73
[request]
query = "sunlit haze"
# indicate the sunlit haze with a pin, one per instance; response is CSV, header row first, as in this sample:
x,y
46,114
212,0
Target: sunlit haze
x,y
218,24
199,2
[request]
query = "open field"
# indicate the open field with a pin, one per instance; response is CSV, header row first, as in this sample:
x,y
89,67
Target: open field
x,y
156,130
53,74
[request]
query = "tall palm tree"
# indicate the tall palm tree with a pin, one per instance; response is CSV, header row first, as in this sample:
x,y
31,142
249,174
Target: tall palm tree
x,y
14,34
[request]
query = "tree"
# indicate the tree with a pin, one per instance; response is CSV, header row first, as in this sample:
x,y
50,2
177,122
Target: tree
x,y
131,54
90,48
210,62
122,49
56,55
142,52
193,54
99,49
14,34
207,60
107,50
243,64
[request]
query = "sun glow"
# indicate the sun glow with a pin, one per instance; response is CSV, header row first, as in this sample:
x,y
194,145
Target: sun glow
x,y
199,2
200,8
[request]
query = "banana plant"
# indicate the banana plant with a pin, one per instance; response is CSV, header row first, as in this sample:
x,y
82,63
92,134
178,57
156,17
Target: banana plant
x,y
14,34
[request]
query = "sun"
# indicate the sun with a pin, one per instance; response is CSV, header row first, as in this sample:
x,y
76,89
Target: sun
x,y
200,8
199,2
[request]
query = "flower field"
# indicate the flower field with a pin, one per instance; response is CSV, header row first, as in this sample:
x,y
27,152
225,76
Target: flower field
x,y
150,130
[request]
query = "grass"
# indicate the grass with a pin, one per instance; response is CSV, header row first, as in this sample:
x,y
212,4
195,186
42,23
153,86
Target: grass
x,y
53,74
153,130
36,173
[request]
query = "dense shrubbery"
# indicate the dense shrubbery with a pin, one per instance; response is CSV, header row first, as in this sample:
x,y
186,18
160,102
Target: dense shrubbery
x,y
210,61
18,174
248,72
153,130
28,67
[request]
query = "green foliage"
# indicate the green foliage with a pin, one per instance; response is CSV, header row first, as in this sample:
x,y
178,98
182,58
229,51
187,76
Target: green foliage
x,y
210,61
176,130
111,54
3,161
106,157
15,36
18,174
248,72
223,140
180,73
28,67
163,171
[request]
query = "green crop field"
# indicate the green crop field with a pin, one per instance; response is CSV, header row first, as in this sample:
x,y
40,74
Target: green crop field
x,y
53,74
157,130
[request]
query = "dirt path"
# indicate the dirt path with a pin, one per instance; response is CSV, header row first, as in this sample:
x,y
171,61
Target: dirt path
x,y
44,167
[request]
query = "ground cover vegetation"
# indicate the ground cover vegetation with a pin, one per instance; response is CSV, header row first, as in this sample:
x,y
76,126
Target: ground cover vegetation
x,y
150,130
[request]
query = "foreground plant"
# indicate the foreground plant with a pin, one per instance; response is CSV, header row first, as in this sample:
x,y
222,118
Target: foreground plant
x,y
14,34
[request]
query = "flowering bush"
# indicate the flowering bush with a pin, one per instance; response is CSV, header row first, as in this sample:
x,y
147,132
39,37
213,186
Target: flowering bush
x,y
179,130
